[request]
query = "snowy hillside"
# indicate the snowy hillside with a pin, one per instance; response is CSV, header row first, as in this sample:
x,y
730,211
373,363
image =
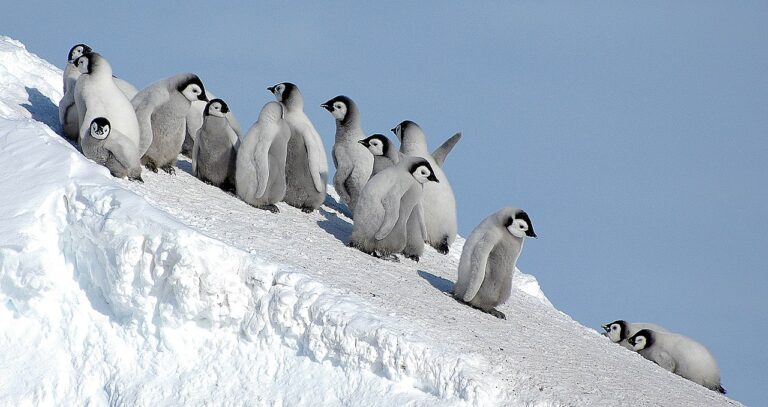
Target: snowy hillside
x,y
173,292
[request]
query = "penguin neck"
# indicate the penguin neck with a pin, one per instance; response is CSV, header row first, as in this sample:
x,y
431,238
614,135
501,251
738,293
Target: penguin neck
x,y
294,103
349,129
101,69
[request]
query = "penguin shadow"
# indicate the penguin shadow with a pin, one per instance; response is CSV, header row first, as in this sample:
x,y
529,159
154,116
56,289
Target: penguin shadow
x,y
337,227
43,109
337,206
185,165
443,285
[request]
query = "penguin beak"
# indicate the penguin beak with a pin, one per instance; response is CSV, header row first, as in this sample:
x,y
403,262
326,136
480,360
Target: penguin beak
x,y
364,143
202,97
271,89
432,177
606,328
531,233
327,107
393,130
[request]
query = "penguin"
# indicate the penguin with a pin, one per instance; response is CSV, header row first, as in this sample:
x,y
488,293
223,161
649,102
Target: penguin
x,y
306,166
353,163
619,331
680,355
260,170
97,95
215,152
195,121
386,155
67,110
162,110
439,201
488,260
111,149
386,202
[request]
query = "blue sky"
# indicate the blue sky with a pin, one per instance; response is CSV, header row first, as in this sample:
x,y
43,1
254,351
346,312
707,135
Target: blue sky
x,y
635,134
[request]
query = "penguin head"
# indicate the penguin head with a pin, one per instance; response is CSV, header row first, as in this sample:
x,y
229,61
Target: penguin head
x,y
422,171
519,225
193,89
216,107
341,108
616,331
643,339
100,128
403,127
283,91
377,144
76,51
83,63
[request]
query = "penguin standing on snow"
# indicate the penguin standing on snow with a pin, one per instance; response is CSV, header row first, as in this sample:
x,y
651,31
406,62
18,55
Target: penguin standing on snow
x,y
439,201
488,260
385,205
161,109
680,355
353,163
306,166
214,153
260,171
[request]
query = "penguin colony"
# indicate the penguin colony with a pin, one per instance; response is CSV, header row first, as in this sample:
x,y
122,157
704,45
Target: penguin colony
x,y
398,200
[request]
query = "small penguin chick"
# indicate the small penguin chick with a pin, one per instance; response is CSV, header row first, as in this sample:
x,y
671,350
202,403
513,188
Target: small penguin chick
x,y
76,51
100,128
216,107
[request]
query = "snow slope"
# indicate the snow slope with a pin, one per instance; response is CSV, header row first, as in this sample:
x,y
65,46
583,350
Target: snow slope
x,y
174,292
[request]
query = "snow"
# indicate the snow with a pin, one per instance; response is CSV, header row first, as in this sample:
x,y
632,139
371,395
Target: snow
x,y
174,292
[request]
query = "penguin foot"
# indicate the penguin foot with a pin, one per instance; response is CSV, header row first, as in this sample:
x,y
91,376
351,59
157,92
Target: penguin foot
x,y
388,257
272,208
413,257
169,169
307,210
443,247
496,313
150,164
137,179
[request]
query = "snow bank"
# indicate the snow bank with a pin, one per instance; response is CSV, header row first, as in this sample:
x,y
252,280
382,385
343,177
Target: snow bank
x,y
172,292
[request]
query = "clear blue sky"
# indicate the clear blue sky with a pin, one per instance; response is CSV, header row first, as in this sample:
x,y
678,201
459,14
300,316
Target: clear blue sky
x,y
635,134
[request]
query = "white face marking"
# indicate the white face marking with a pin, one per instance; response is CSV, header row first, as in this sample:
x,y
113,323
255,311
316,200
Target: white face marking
x,y
279,89
614,333
76,53
422,173
215,109
518,228
376,147
639,343
82,65
339,110
399,132
99,133
191,92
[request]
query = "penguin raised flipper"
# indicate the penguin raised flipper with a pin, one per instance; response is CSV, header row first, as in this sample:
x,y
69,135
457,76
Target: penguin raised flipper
x,y
442,152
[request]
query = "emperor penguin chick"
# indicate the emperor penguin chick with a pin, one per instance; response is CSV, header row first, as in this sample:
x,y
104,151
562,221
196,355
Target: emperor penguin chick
x,y
488,260
621,330
306,166
112,149
353,163
385,205
680,355
97,95
214,153
385,155
195,118
260,174
161,109
439,201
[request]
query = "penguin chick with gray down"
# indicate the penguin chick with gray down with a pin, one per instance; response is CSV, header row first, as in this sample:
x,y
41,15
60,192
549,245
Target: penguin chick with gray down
x,y
439,200
260,171
161,109
619,331
385,155
214,153
112,149
353,163
680,355
488,260
195,118
68,116
306,166
386,204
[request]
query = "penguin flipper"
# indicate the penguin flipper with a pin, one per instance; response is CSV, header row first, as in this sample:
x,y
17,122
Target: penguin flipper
x,y
664,360
316,166
441,153
195,151
478,265
391,213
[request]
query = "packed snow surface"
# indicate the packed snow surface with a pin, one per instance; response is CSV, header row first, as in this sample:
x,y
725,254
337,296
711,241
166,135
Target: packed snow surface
x,y
174,292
